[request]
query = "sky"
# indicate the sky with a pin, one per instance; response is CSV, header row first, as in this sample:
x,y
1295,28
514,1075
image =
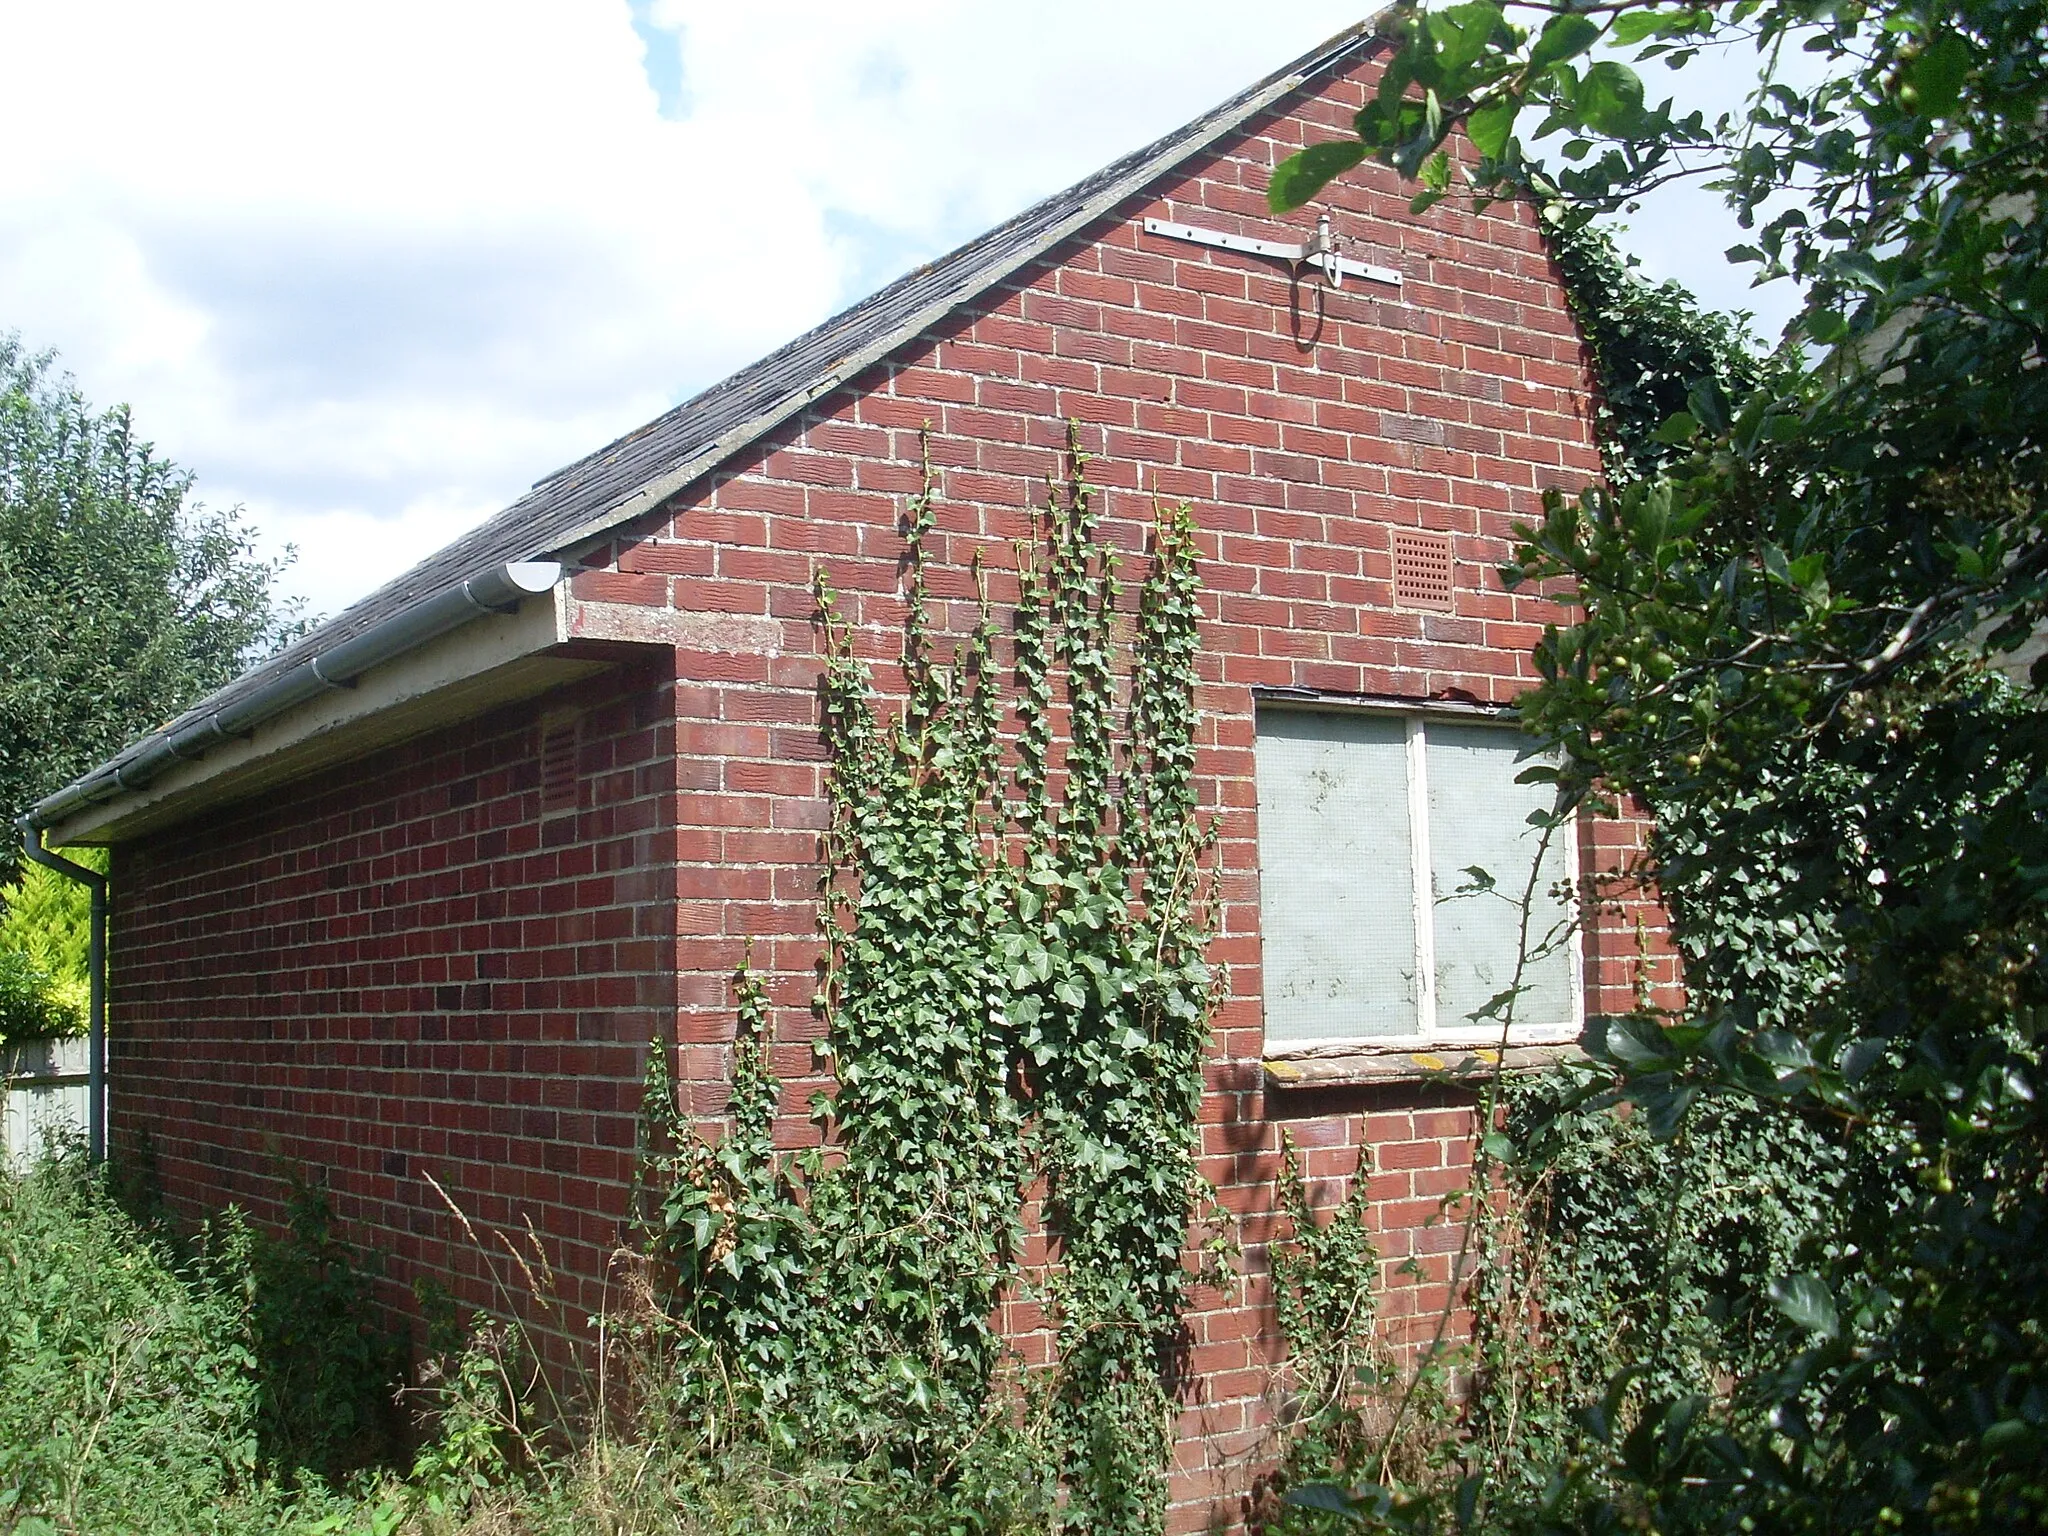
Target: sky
x,y
371,270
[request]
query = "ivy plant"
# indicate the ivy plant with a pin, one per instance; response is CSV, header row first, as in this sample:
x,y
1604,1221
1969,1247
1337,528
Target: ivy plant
x,y
1016,1001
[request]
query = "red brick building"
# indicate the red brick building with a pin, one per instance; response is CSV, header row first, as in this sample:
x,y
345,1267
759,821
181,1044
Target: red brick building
x,y
414,897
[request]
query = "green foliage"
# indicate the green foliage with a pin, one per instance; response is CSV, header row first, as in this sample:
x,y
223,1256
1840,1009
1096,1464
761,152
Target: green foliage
x,y
666,1453
47,917
1326,1281
35,1004
120,601
1785,646
1622,1258
326,1363
481,1421
1015,999
130,1398
1655,351
45,935
1608,1265
1014,991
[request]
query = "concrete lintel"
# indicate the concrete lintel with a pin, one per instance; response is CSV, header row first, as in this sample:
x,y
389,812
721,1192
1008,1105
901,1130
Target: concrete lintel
x,y
630,624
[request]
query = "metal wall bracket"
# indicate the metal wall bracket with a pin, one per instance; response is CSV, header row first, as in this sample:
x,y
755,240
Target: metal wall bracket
x,y
1319,252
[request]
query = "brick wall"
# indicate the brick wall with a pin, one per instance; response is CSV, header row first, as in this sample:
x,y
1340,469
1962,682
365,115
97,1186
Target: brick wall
x,y
1302,443
438,960
1448,405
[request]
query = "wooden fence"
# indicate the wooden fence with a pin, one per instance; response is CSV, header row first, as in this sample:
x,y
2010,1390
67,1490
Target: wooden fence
x,y
45,1095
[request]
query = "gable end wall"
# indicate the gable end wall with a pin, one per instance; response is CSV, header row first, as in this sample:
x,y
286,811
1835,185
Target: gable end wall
x,y
1449,404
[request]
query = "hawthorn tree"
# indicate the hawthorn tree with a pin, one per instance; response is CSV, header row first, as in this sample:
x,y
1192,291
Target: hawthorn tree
x,y
1802,636
121,600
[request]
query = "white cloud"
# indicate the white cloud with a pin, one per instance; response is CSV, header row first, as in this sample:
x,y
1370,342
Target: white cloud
x,y
372,269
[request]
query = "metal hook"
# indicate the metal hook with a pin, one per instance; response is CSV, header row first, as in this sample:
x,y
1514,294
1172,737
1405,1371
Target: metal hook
x,y
1325,246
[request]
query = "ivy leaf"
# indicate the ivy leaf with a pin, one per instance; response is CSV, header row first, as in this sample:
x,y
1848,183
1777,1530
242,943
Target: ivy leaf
x,y
1805,1299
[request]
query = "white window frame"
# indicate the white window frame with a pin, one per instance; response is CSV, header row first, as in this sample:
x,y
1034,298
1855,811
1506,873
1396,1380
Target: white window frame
x,y
1464,1033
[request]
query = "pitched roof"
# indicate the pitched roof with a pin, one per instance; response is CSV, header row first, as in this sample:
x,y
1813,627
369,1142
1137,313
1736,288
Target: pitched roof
x,y
631,476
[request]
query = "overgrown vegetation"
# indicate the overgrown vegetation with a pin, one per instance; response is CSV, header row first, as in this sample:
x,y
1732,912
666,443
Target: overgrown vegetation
x,y
1774,1263
153,1385
1016,1004
1787,646
1609,1249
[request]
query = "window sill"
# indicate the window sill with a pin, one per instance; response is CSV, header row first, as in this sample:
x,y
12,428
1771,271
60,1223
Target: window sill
x,y
1352,1063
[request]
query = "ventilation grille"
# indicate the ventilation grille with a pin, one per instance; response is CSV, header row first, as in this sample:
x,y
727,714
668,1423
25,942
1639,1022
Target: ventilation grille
x,y
1422,569
558,764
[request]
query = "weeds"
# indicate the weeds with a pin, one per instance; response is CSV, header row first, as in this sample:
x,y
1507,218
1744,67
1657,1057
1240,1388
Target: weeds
x,y
130,1395
326,1363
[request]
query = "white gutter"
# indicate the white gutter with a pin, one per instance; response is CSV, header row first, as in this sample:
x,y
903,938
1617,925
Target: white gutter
x,y
495,591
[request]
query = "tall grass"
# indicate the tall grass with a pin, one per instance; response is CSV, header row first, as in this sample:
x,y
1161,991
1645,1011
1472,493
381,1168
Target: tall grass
x,y
220,1381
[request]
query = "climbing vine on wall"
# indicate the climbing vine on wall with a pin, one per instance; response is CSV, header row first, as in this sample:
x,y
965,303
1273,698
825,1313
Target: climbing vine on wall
x,y
1016,1003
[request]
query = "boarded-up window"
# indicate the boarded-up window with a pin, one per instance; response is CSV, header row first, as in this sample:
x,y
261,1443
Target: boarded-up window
x,y
1371,924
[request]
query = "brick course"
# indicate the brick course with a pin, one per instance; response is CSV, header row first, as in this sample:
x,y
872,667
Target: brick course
x,y
403,963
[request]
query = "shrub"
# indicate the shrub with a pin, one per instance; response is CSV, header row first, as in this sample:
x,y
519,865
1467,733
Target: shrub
x,y
47,916
35,1004
128,1390
326,1363
44,935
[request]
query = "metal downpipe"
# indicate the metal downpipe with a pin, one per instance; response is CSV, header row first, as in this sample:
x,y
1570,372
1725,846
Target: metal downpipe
x,y
96,984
